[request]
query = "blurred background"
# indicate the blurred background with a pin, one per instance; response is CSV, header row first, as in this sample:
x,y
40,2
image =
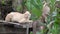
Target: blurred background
x,y
35,7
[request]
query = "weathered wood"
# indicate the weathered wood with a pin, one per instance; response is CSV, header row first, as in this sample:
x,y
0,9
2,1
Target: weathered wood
x,y
24,25
12,30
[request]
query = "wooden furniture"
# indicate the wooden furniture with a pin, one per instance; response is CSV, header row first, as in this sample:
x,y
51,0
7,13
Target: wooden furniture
x,y
16,26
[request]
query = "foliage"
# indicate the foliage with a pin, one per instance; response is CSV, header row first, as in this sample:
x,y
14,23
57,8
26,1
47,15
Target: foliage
x,y
53,16
35,6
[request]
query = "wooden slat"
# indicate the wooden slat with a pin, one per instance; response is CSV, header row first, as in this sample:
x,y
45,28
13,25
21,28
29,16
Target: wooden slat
x,y
24,25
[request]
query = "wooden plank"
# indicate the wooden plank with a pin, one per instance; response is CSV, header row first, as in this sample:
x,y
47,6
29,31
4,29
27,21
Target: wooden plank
x,y
24,25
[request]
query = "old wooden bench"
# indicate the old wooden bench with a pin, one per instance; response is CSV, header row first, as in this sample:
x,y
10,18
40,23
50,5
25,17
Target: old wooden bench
x,y
16,25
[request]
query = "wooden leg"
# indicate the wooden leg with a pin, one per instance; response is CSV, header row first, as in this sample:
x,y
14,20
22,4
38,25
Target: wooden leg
x,y
27,31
